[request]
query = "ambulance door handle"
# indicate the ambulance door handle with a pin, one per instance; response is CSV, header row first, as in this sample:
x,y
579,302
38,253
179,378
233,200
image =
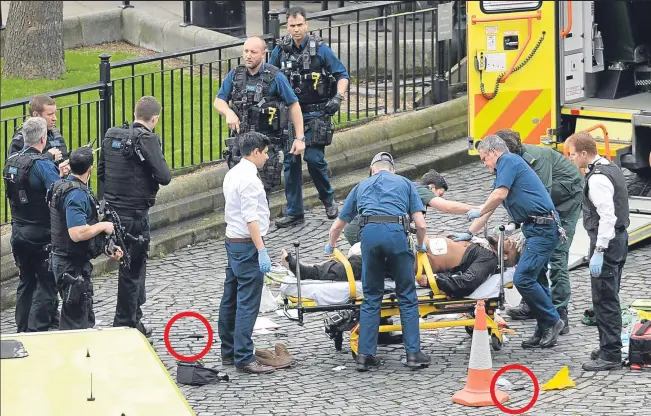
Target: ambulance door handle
x,y
565,32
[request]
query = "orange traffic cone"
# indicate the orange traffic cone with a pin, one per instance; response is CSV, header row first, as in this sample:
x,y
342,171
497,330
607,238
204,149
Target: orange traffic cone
x,y
480,367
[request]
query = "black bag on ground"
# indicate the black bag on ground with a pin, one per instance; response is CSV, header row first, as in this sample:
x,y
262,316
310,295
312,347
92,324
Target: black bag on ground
x,y
194,373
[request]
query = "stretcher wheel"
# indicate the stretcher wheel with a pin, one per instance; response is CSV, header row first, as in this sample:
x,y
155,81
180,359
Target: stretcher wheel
x,y
496,343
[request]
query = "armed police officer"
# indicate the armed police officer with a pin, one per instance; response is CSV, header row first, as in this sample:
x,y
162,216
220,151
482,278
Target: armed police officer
x,y
77,237
564,183
55,147
28,176
528,203
262,101
606,219
320,81
130,171
384,203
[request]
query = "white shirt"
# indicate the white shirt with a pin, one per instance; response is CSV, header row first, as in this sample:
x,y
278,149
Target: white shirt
x,y
246,200
602,193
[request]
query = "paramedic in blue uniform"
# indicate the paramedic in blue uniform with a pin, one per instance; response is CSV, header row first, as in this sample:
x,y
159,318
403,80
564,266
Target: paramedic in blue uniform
x,y
384,202
527,202
320,82
246,212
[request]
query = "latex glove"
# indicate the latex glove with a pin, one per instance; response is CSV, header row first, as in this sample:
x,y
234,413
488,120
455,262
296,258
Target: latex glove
x,y
264,261
422,249
461,236
596,262
473,214
332,106
328,249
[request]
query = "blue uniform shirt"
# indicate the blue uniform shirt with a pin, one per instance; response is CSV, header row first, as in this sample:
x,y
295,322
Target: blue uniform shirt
x,y
384,193
527,194
79,209
279,87
329,60
43,174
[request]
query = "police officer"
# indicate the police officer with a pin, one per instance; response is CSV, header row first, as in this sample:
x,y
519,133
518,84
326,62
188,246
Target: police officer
x,y
527,202
28,175
606,219
55,147
130,171
564,183
320,81
384,202
77,237
261,100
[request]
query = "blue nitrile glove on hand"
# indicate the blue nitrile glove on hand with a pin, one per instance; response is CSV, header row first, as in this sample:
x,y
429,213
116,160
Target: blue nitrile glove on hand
x,y
461,236
473,214
596,263
422,249
264,261
328,250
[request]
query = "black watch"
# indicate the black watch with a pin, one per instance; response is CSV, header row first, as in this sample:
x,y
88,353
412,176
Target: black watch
x,y
599,249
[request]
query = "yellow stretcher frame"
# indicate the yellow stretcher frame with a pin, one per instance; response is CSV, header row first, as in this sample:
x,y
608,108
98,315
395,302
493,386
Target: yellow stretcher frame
x,y
433,303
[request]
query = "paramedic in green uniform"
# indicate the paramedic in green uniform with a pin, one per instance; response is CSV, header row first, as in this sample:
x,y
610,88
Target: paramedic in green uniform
x,y
564,182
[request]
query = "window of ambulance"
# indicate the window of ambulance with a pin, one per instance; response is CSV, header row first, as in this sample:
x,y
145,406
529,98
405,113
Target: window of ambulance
x,y
509,6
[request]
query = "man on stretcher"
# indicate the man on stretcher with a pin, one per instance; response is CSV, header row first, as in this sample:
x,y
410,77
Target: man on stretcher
x,y
460,267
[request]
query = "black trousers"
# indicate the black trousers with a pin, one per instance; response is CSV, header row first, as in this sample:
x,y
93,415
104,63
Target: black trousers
x,y
605,296
477,265
329,270
76,312
131,282
36,296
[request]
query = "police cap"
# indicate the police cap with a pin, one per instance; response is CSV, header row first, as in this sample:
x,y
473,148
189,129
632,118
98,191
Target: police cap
x,y
383,157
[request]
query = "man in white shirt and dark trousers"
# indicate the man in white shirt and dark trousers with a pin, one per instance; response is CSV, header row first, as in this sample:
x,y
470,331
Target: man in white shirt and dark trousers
x,y
247,222
605,218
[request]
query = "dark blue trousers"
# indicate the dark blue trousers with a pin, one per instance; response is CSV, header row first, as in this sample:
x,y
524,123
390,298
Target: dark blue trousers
x,y
318,169
385,248
240,302
540,243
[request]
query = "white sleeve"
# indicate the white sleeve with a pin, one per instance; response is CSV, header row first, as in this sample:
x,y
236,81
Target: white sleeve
x,y
601,192
249,193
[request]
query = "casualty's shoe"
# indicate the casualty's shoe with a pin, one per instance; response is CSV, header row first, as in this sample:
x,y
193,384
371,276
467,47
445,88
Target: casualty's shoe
x,y
549,336
562,312
290,220
601,365
520,312
595,353
254,367
228,361
332,210
366,362
417,360
280,358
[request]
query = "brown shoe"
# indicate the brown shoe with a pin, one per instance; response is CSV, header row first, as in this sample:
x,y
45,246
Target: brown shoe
x,y
256,367
280,358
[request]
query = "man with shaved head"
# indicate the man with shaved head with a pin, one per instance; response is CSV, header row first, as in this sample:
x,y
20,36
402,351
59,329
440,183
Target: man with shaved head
x,y
261,100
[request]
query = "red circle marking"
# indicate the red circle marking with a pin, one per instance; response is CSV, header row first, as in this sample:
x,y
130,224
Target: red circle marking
x,y
536,389
168,345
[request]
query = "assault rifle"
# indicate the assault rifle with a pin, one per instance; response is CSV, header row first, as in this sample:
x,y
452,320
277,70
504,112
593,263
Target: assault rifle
x,y
119,236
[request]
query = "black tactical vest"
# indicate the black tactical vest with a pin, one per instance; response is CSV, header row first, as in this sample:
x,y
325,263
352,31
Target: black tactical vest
x,y
62,244
128,182
251,101
307,75
54,140
28,205
590,215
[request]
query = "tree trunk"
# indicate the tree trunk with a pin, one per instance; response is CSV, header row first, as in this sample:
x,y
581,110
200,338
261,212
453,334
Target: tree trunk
x,y
34,40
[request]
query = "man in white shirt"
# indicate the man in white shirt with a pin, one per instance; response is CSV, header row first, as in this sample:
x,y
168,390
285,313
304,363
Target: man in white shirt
x,y
247,222
605,218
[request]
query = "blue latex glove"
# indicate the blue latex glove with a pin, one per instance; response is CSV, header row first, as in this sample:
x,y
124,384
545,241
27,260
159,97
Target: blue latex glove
x,y
473,214
596,262
422,249
264,261
328,250
461,236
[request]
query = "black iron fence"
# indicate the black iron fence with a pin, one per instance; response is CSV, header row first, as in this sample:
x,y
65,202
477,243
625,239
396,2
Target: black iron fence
x,y
390,54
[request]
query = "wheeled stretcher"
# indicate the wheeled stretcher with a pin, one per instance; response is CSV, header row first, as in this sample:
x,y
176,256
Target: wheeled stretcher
x,y
431,302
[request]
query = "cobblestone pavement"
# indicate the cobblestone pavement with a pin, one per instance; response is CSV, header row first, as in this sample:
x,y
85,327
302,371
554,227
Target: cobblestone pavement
x,y
191,279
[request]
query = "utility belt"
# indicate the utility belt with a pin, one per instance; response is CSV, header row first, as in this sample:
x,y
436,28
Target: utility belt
x,y
132,213
311,108
543,219
322,131
386,219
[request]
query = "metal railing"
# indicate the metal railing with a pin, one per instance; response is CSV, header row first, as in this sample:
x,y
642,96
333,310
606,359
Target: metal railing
x,y
390,56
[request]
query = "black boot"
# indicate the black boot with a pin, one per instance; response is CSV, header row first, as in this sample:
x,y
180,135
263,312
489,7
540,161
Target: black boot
x,y
549,335
290,220
366,362
562,312
417,360
332,210
533,341
595,354
601,365
147,332
520,312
